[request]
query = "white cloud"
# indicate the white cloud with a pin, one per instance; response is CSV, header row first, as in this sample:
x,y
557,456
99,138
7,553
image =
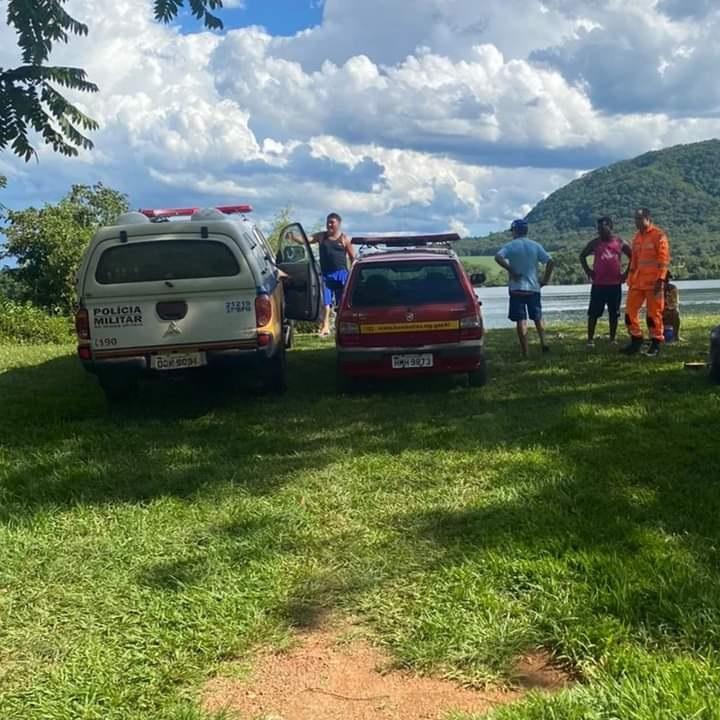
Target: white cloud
x,y
426,120
388,31
459,227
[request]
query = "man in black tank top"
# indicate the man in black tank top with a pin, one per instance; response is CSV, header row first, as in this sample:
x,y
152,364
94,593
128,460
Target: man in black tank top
x,y
335,249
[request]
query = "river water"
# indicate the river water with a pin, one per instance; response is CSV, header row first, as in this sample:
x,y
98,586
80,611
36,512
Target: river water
x,y
567,303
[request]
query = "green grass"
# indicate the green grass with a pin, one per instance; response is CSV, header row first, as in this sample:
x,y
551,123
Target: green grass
x,y
571,504
494,273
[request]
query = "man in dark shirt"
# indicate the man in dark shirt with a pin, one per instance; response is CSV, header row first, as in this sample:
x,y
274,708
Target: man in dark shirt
x,y
335,248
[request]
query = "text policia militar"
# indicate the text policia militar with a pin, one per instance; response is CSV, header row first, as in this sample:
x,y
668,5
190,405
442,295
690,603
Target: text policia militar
x,y
117,316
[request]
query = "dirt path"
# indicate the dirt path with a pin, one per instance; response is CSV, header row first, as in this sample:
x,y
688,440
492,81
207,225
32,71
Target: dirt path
x,y
327,676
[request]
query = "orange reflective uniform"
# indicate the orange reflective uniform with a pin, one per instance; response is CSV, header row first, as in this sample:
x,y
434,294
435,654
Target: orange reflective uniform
x,y
649,263
650,258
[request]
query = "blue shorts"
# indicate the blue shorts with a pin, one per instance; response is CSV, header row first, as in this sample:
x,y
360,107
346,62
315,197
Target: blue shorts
x,y
524,306
333,286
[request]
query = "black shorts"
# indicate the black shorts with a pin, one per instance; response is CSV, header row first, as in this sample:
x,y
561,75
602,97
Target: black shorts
x,y
602,295
524,305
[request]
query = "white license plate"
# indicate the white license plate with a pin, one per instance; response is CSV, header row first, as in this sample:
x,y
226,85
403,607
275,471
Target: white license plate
x,y
178,361
405,362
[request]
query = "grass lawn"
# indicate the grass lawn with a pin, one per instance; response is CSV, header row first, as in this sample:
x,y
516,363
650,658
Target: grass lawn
x,y
572,504
494,273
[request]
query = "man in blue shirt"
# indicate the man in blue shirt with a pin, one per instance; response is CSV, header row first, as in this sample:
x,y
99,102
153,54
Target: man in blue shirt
x,y
520,257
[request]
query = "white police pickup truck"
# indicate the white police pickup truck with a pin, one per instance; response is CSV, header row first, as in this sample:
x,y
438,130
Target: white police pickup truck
x,y
203,290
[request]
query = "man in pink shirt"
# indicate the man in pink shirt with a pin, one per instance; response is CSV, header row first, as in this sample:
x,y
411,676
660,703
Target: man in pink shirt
x,y
606,276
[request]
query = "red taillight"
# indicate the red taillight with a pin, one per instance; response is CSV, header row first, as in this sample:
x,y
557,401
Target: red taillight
x,y
348,333
471,327
84,352
348,328
264,339
263,310
470,322
82,324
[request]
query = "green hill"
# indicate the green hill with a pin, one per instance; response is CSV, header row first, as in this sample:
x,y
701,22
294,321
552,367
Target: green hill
x,y
680,185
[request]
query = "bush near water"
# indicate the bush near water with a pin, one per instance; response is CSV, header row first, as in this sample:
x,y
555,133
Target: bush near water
x,y
25,324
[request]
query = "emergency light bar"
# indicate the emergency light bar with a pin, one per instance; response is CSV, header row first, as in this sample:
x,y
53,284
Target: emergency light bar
x,y
406,240
185,212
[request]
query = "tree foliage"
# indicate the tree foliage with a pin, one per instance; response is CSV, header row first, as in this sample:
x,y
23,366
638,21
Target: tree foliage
x,y
281,219
680,186
48,242
29,99
10,286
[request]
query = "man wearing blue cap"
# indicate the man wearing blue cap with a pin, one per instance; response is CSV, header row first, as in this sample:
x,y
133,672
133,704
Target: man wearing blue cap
x,y
520,257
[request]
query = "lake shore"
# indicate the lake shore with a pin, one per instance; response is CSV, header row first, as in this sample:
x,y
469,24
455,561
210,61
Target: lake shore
x,y
568,303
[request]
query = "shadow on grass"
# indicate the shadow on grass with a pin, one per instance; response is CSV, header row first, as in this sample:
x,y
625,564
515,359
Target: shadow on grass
x,y
625,508
65,446
604,465
174,575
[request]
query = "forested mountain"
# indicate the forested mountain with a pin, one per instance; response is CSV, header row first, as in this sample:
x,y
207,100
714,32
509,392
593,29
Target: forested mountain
x,y
680,185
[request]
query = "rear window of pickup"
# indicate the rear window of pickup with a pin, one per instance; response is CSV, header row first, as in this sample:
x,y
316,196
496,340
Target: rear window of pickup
x,y
165,260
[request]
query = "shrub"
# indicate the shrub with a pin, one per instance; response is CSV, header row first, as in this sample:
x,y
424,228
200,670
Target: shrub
x,y
27,324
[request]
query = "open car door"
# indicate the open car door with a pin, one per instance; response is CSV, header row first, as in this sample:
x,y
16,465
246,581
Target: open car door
x,y
302,287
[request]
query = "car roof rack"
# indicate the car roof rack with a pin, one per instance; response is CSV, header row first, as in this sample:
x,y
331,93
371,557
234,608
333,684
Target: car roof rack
x,y
162,214
407,241
437,243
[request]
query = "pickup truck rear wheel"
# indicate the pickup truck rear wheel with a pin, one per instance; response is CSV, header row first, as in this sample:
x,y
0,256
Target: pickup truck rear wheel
x,y
276,372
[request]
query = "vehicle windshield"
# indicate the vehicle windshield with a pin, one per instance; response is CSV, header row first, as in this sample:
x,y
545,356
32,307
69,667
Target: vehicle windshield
x,y
165,260
406,283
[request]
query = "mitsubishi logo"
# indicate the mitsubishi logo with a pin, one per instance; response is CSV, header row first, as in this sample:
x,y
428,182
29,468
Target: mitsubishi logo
x,y
173,329
410,316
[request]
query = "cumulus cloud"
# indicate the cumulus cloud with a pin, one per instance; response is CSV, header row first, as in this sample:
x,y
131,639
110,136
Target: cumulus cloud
x,y
452,116
459,227
484,109
426,102
684,9
645,58
388,32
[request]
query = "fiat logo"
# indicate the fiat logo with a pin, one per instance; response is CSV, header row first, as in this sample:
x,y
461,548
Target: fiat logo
x,y
410,317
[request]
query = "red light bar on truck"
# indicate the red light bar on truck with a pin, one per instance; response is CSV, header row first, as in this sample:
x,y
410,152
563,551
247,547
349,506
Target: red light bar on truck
x,y
406,240
185,212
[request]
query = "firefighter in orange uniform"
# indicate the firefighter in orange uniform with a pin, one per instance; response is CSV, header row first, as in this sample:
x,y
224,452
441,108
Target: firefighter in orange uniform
x,y
646,280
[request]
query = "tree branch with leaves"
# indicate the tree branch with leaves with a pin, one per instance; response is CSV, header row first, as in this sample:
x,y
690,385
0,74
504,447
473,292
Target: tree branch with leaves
x,y
30,102
48,242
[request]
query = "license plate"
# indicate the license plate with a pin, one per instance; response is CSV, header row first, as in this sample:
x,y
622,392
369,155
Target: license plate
x,y
405,362
177,361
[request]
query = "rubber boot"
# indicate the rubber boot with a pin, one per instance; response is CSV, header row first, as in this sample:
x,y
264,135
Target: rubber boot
x,y
634,346
654,349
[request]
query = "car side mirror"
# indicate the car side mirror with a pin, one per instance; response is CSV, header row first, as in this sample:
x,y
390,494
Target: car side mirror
x,y
477,278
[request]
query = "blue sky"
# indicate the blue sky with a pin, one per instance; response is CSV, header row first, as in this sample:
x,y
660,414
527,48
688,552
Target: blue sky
x,y
278,17
424,116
